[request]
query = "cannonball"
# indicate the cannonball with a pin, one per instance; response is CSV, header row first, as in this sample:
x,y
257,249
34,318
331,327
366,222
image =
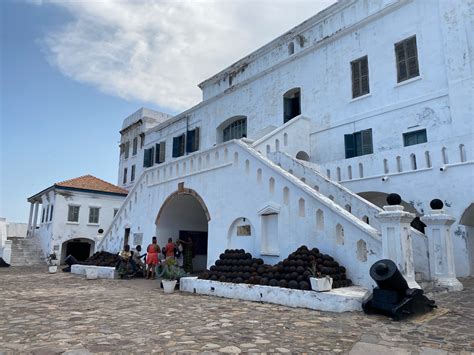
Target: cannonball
x,y
213,278
222,278
283,283
300,278
292,269
304,285
300,269
394,199
294,275
238,280
260,261
293,284
263,281
436,204
273,282
315,250
222,256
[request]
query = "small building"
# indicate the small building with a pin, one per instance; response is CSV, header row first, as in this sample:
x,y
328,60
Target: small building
x,y
74,215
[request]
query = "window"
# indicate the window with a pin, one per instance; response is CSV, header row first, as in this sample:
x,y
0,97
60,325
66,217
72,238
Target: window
x,y
291,104
135,146
115,211
132,173
160,152
42,215
358,143
51,214
192,140
125,171
291,48
47,214
416,137
73,214
94,215
142,140
127,149
178,146
235,130
360,77
148,157
407,59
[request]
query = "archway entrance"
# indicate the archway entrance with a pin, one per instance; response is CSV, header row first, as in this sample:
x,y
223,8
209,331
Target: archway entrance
x,y
467,220
380,199
184,215
80,248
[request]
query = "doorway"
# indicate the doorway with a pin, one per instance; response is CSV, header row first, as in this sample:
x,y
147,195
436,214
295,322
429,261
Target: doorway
x,y
183,215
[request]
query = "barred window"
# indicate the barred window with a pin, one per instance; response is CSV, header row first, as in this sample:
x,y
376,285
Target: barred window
x,y
407,59
360,77
235,130
94,215
73,214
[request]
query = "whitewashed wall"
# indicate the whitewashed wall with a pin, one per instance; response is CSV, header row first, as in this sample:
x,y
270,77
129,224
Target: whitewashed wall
x,y
52,234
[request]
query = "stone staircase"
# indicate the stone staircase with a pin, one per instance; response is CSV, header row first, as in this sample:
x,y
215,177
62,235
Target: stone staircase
x,y
26,252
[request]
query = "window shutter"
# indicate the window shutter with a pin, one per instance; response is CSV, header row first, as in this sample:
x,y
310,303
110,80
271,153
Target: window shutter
x,y
148,158
367,147
350,145
176,144
182,144
196,139
162,152
189,141
157,153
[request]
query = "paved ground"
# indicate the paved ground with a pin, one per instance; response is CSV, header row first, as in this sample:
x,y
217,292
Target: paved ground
x,y
47,314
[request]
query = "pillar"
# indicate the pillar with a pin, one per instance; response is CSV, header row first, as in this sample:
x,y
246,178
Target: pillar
x,y
438,226
396,238
30,218
35,218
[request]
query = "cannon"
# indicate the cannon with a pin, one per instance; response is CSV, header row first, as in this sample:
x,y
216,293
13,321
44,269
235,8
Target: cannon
x,y
392,296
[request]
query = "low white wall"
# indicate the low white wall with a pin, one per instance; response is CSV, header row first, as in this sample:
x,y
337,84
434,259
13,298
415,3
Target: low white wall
x,y
338,300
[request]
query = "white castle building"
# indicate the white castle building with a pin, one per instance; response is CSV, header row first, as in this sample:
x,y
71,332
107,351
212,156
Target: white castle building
x,y
72,219
301,141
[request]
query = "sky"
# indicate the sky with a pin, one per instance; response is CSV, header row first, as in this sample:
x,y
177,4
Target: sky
x,y
71,71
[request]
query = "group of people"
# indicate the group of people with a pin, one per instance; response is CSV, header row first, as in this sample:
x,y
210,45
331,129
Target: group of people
x,y
131,261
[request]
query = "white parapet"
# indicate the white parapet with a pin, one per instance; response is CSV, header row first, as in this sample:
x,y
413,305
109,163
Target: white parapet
x,y
104,272
338,300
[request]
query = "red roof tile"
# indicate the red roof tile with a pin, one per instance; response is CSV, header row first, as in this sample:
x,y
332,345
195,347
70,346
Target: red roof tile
x,y
89,182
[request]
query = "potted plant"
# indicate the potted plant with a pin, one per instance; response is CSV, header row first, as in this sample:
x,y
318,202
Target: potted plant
x,y
318,282
171,273
52,263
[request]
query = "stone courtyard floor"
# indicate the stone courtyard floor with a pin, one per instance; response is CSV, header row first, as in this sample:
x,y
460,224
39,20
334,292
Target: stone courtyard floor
x,y
63,313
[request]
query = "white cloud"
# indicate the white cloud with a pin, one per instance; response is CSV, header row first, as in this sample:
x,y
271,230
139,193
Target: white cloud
x,y
158,51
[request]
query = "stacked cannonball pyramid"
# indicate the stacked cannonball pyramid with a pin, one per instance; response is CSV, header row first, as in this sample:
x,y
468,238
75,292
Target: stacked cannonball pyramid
x,y
237,266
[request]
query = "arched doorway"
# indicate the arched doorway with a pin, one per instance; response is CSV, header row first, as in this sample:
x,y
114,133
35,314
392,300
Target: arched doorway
x,y
467,220
184,215
80,248
380,199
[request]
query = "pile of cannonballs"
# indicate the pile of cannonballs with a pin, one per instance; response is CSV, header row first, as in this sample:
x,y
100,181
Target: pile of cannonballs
x,y
237,266
102,258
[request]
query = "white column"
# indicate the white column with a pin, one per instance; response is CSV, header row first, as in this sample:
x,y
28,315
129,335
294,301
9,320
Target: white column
x,y
396,240
30,218
438,225
35,218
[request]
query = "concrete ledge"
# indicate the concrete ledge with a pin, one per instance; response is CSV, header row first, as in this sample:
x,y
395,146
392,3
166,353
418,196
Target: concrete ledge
x,y
338,300
104,272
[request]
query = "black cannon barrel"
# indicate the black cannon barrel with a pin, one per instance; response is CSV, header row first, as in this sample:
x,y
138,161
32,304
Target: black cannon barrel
x,y
387,276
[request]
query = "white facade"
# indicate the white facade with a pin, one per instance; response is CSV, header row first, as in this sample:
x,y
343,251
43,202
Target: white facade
x,y
288,202
55,227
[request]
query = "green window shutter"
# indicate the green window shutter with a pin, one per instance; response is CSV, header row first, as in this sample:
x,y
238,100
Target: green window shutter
x,y
157,153
349,144
366,138
148,157
189,141
162,152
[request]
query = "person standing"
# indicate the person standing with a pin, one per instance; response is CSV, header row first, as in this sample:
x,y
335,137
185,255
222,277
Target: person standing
x,y
169,249
179,253
152,261
188,255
